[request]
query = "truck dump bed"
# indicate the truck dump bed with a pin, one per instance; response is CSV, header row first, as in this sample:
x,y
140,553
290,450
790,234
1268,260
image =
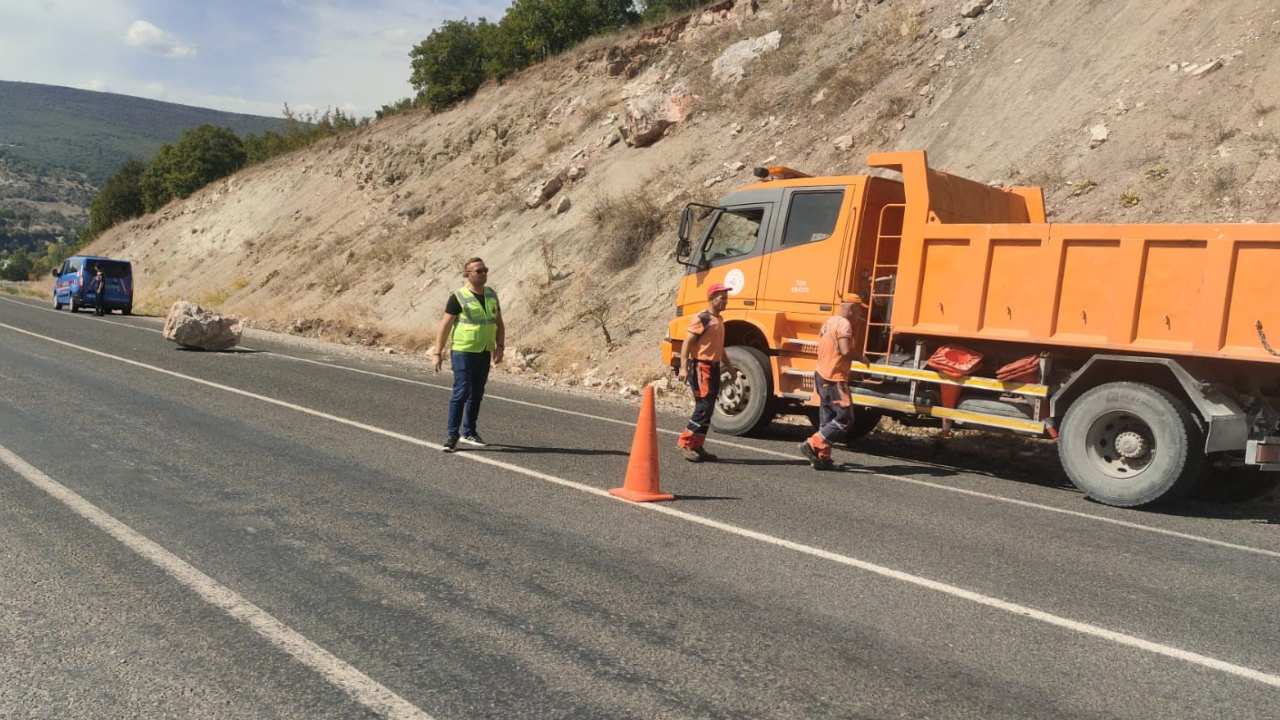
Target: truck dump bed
x,y
981,262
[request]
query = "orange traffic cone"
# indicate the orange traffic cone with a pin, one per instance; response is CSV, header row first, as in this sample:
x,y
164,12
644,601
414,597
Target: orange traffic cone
x,y
641,484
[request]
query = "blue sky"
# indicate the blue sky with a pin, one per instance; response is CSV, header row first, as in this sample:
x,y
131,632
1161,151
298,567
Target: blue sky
x,y
236,55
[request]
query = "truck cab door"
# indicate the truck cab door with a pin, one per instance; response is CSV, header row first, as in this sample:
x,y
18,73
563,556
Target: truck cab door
x,y
731,252
805,258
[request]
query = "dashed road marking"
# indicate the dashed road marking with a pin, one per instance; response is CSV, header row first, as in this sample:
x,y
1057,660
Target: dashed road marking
x,y
775,453
954,591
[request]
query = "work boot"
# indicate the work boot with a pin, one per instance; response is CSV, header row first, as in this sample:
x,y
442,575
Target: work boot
x,y
816,461
706,456
691,455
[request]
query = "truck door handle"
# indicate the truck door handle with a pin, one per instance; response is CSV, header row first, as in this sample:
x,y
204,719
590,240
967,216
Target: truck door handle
x,y
824,307
749,303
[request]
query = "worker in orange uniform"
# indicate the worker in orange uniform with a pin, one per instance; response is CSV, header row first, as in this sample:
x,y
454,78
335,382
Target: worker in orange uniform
x,y
702,359
837,349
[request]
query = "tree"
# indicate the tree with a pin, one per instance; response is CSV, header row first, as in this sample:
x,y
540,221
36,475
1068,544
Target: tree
x,y
119,199
448,66
201,155
547,27
661,8
17,267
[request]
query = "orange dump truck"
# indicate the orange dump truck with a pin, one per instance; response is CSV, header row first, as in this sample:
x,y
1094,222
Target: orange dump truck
x,y
1141,348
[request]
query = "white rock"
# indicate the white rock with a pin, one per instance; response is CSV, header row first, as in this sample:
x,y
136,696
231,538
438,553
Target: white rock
x,y
731,65
190,325
974,8
844,142
1206,68
1098,134
951,32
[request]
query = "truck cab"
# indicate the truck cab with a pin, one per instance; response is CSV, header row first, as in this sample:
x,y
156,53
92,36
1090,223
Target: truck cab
x,y
790,249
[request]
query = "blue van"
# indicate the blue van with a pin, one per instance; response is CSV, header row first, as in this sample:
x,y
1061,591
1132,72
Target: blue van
x,y
73,280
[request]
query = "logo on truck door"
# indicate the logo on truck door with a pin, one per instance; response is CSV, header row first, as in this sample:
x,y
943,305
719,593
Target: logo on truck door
x,y
735,280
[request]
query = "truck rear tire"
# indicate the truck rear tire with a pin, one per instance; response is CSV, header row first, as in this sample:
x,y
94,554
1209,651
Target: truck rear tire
x,y
865,420
746,403
1130,444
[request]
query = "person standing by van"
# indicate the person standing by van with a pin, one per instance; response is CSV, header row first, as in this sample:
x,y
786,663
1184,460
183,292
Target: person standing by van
x,y
702,359
836,352
474,319
99,286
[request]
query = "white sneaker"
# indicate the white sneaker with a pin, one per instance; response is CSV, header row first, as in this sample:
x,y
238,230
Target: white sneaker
x,y
474,439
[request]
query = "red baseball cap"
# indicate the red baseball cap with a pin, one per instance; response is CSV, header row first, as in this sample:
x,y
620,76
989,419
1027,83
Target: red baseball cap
x,y
715,288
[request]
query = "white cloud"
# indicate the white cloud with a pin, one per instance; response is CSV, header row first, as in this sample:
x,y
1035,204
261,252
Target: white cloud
x,y
142,34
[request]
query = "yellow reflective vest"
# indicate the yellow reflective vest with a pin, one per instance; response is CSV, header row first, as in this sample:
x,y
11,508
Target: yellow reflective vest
x,y
476,329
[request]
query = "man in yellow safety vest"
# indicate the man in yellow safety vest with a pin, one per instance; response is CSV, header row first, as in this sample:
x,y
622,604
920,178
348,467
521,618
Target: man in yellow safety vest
x,y
474,318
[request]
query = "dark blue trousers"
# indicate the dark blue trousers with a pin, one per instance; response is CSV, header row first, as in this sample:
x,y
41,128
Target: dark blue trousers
x,y
470,373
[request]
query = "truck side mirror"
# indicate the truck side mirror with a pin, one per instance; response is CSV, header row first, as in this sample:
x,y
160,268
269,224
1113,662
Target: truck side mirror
x,y
54,271
686,219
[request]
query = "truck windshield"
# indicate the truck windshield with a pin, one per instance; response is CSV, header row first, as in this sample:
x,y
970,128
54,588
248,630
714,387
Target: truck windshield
x,y
734,234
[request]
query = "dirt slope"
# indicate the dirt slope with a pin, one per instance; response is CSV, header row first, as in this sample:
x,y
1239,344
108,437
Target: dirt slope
x,y
362,237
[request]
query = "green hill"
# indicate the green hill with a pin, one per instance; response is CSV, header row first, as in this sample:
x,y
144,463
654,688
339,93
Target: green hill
x,y
59,144
46,128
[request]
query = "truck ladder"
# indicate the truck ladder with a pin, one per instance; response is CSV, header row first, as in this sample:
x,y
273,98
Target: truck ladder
x,y
884,274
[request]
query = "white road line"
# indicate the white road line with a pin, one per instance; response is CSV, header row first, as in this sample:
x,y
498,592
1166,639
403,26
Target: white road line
x,y
791,456
1077,626
360,687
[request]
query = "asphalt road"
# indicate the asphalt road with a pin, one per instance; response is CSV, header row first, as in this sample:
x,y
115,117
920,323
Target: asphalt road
x,y
274,534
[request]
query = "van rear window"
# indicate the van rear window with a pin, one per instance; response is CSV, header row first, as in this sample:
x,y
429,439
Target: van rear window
x,y
110,268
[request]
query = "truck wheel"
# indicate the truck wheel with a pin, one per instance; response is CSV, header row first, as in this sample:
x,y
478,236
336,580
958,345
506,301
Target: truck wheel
x,y
72,305
1130,444
865,420
128,310
745,404
56,304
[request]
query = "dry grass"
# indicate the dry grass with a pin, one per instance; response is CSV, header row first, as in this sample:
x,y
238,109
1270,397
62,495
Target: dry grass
x,y
627,226
1223,181
1221,132
877,58
1128,198
214,299
1084,187
1049,178
555,142
1157,172
40,289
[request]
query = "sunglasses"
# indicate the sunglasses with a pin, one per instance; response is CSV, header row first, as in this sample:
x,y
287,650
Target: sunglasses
x,y
482,271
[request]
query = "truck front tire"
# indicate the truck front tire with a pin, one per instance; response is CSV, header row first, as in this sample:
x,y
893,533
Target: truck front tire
x,y
746,403
1130,444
